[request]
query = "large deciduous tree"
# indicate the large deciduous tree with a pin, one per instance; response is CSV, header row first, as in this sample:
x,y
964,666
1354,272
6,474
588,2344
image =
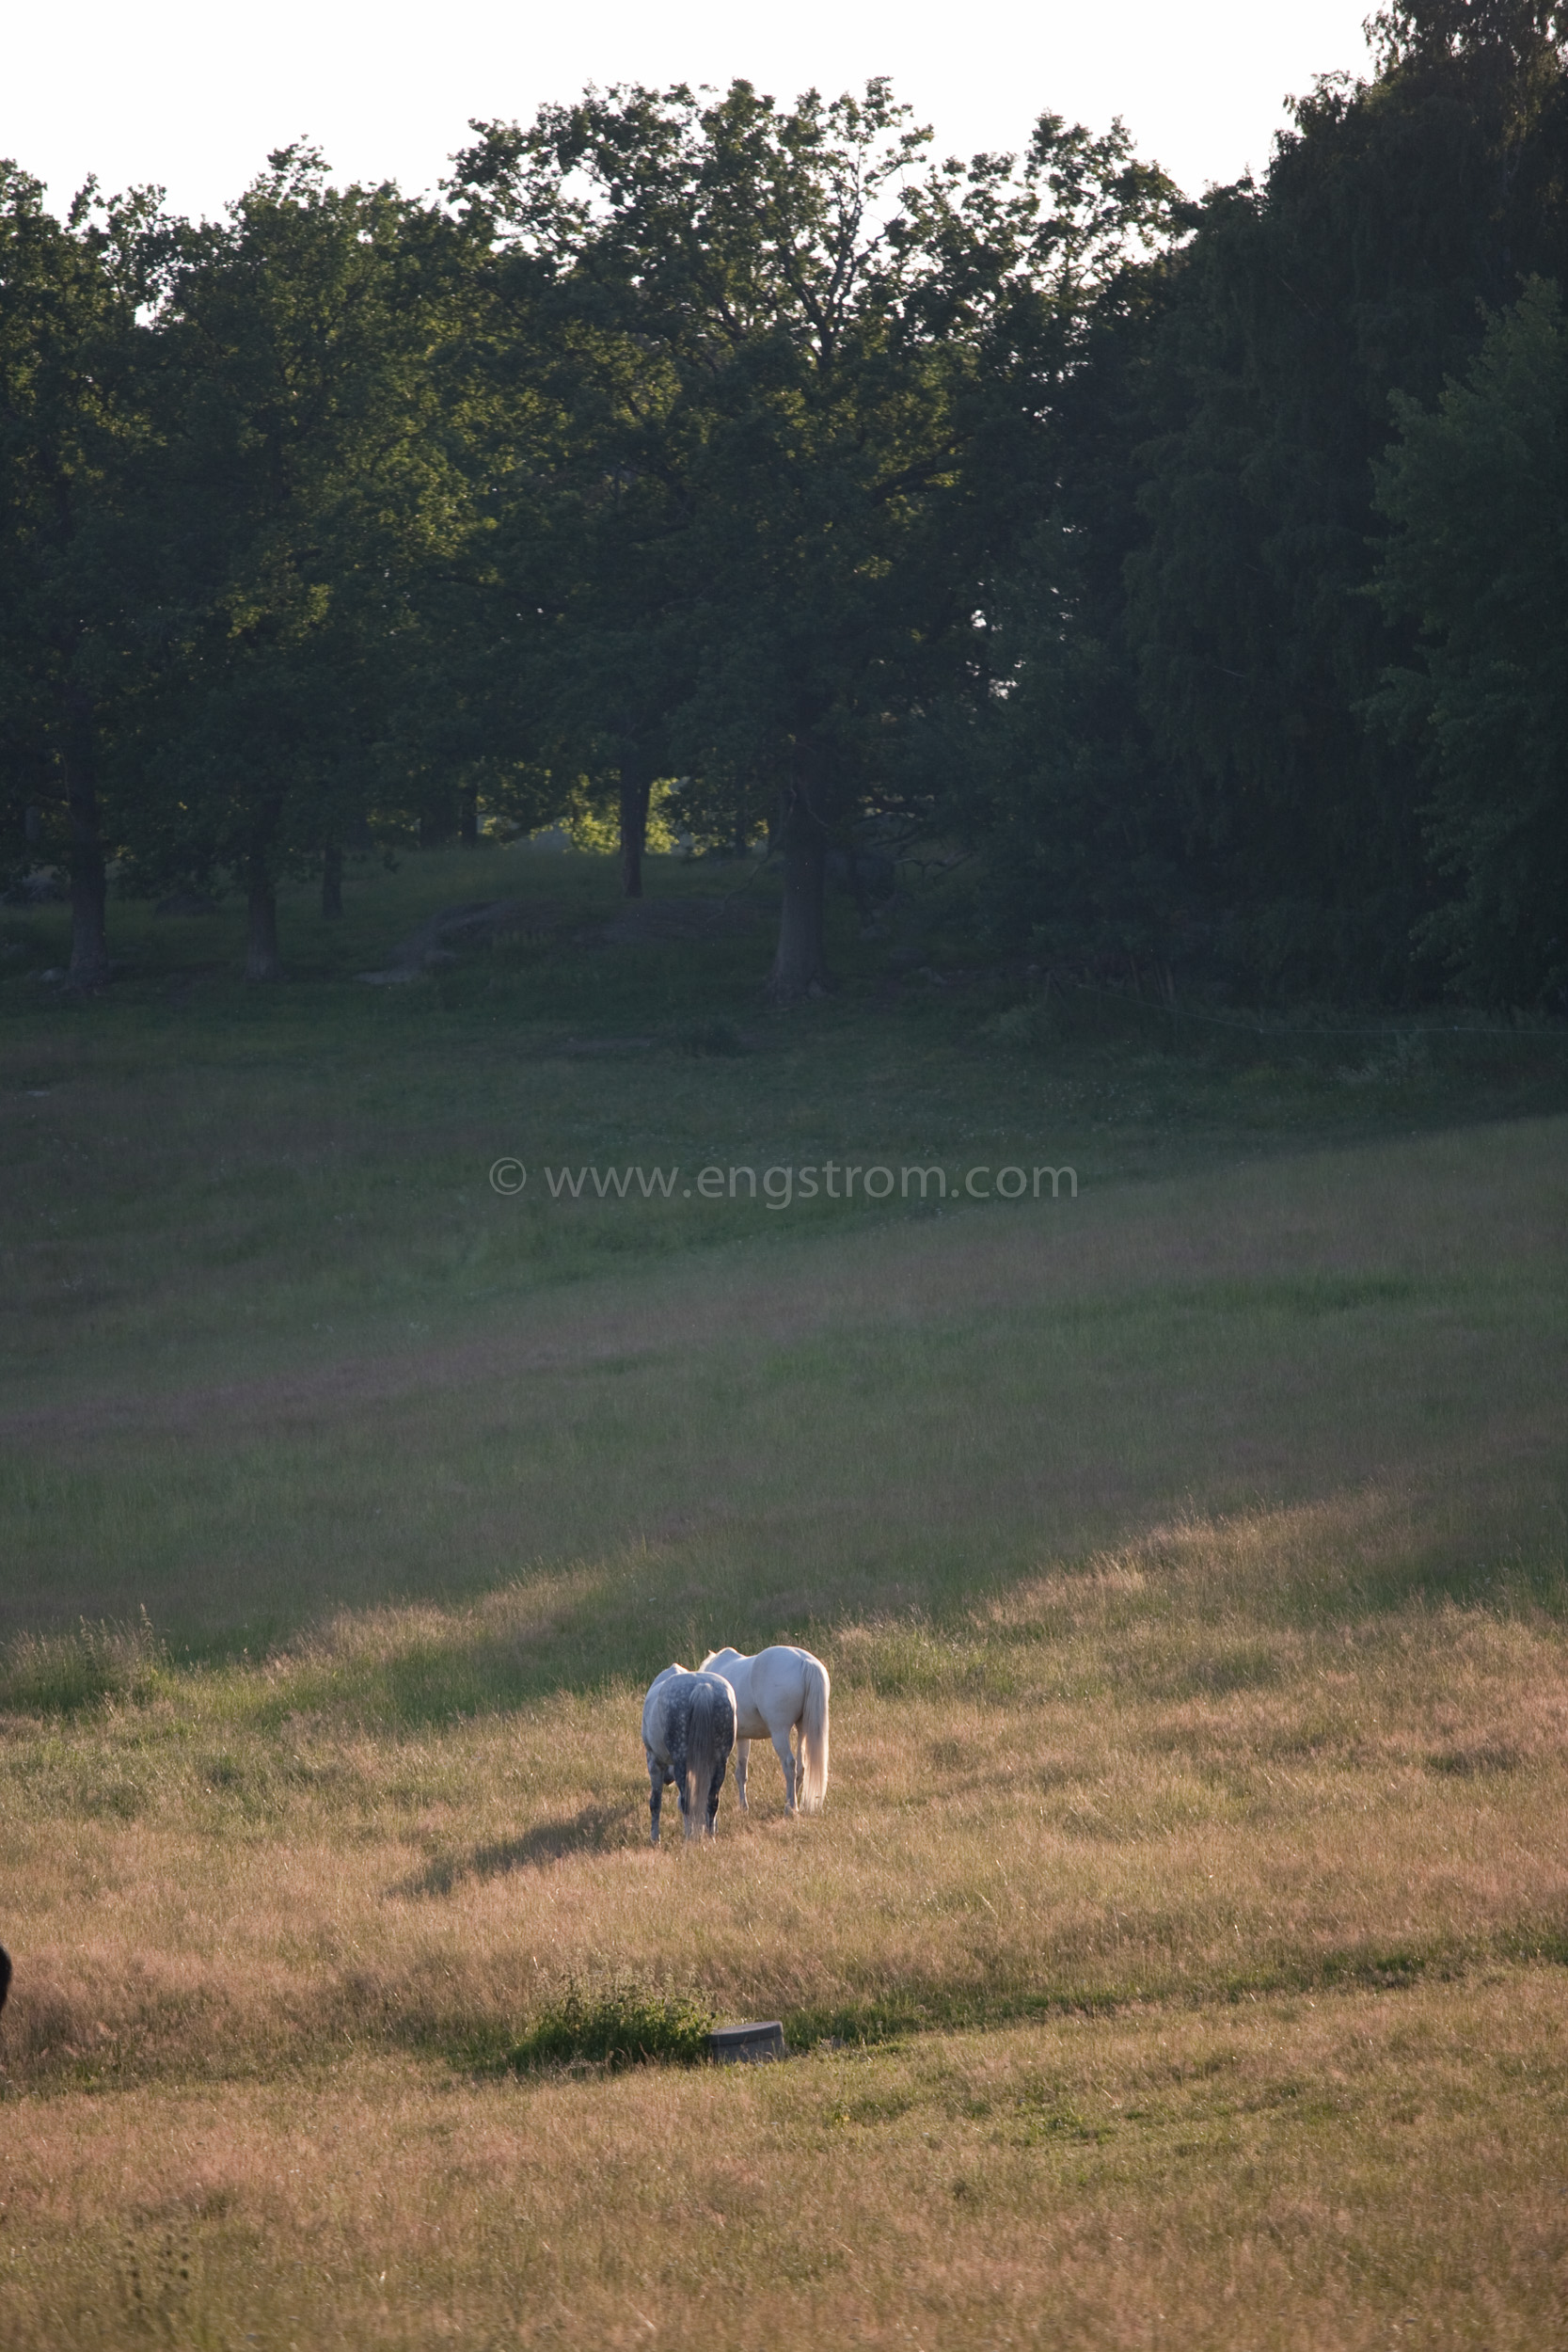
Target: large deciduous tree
x,y
74,423
305,485
799,495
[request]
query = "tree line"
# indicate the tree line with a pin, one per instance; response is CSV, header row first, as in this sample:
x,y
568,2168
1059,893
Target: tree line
x,y
1199,567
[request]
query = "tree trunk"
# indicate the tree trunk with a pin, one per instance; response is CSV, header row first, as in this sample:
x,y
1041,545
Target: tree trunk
x,y
635,788
636,784
262,960
801,964
468,816
90,950
332,881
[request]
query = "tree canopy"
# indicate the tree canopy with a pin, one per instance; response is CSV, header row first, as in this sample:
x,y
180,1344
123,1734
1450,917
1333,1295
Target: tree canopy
x,y
1187,563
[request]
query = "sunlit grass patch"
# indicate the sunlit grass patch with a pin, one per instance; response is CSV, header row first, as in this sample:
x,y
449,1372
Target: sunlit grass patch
x,y
416,1664
65,1673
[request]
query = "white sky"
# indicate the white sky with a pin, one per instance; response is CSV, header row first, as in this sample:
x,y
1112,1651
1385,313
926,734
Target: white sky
x,y
192,96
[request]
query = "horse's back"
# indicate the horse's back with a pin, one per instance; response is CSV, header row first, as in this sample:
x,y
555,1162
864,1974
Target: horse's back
x,y
737,1671
780,1676
669,1690
770,1688
654,1710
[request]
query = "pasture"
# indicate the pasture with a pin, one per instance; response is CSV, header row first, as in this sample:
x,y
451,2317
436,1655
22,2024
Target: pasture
x,y
1182,1955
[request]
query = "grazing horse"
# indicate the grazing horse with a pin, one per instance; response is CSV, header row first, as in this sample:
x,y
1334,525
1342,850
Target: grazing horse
x,y
689,1730
779,1689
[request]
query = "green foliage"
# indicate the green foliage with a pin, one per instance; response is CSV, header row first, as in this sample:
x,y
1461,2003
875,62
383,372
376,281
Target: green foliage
x,y
590,825
76,364
1354,271
813,368
616,2022
301,487
1014,505
1476,494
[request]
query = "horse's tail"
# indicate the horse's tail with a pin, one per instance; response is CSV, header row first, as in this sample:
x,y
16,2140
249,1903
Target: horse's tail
x,y
812,1790
709,1737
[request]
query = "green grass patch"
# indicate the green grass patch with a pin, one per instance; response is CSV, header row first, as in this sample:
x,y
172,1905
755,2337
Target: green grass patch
x,y
614,2024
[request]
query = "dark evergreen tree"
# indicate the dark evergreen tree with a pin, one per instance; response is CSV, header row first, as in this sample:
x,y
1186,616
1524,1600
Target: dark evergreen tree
x,y
1476,494
1059,788
1389,214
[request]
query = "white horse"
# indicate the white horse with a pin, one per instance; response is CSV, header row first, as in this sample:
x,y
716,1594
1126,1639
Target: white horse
x,y
779,1690
687,1732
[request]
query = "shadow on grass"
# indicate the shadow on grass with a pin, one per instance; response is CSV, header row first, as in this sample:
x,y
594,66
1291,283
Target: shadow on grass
x,y
1362,1967
596,1829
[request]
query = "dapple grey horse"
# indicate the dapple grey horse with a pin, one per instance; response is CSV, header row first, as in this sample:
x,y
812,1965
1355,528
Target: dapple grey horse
x,y
687,1732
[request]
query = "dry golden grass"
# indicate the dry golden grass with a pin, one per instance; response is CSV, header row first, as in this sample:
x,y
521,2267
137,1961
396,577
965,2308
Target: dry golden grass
x,y
1322,2173
1150,1779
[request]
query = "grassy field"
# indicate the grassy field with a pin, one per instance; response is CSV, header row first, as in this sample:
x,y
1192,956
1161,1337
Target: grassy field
x,y
1182,1958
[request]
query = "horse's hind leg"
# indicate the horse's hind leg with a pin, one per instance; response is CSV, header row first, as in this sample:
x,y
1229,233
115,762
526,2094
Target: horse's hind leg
x,y
742,1757
655,1779
780,1749
713,1800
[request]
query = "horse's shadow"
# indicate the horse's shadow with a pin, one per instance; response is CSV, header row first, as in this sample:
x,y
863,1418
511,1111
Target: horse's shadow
x,y
597,1829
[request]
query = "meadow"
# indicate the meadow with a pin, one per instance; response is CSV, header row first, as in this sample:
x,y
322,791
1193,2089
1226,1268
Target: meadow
x,y
1182,1956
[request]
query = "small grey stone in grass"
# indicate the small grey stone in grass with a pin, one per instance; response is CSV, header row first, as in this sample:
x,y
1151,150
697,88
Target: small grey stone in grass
x,y
747,2044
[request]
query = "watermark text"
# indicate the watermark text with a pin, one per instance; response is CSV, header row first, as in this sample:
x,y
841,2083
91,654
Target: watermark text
x,y
781,1188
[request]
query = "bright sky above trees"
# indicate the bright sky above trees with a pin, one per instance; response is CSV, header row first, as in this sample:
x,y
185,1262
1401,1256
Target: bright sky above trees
x,y
192,96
